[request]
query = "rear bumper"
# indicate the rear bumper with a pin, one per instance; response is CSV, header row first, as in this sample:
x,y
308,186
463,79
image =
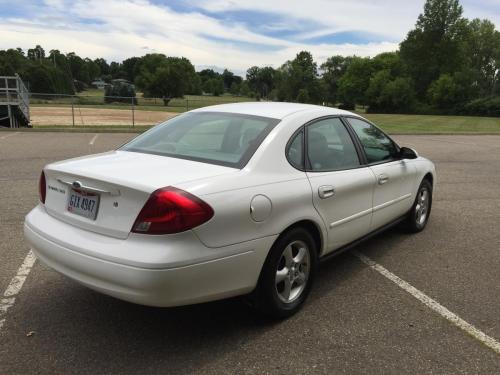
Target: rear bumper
x,y
203,274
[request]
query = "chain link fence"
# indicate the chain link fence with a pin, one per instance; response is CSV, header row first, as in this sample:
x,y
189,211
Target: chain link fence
x,y
101,110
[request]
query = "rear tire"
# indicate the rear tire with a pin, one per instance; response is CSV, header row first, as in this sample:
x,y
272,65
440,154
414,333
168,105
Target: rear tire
x,y
287,275
418,216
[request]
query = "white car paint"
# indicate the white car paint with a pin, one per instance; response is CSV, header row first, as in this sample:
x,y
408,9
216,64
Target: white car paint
x,y
252,207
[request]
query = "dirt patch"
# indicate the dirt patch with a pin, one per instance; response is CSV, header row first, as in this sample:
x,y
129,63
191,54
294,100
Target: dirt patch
x,y
95,116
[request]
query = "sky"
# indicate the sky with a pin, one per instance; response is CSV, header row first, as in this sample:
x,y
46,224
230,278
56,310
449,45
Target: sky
x,y
233,34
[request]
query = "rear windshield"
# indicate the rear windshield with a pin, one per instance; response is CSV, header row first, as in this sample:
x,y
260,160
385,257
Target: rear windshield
x,y
218,138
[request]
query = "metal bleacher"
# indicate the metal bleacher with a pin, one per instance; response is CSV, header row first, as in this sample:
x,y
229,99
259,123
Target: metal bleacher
x,y
14,102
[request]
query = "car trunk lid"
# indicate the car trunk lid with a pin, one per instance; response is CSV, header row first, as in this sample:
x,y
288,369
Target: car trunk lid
x,y
119,183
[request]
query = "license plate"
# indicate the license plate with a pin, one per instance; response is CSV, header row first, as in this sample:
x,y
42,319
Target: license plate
x,y
83,204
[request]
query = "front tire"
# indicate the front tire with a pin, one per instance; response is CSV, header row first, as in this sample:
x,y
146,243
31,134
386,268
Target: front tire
x,y
419,214
287,275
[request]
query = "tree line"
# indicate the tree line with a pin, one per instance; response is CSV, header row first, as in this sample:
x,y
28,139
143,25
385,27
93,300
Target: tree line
x,y
446,64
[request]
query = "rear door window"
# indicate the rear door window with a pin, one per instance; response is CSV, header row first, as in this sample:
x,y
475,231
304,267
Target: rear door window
x,y
330,147
295,151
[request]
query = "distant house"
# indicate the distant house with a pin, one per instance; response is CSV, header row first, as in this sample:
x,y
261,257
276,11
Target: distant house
x,y
99,84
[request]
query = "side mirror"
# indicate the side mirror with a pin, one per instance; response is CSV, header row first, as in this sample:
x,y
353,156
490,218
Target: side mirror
x,y
407,153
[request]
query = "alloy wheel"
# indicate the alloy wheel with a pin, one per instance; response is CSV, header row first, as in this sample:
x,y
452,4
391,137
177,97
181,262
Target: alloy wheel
x,y
292,272
422,206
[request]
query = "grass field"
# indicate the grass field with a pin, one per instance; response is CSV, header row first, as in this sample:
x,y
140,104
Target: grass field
x,y
95,98
147,113
393,124
435,124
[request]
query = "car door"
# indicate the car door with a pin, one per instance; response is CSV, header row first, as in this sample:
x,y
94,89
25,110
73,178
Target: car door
x,y
342,187
395,177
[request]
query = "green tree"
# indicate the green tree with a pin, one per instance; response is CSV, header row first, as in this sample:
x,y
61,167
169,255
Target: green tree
x,y
39,79
93,69
299,73
12,61
333,69
130,67
253,77
483,51
355,82
165,77
78,67
115,70
36,54
235,88
378,82
245,89
103,65
398,95
261,80
449,91
45,78
437,44
6,68
390,61
214,86
195,85
227,78
302,96
59,60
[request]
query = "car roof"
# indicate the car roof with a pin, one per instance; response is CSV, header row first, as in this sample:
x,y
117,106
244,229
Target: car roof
x,y
276,110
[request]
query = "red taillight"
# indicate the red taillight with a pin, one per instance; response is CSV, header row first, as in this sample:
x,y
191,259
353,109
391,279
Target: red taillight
x,y
42,187
170,210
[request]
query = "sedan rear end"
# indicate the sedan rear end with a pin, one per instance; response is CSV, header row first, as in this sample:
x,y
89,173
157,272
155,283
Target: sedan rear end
x,y
117,222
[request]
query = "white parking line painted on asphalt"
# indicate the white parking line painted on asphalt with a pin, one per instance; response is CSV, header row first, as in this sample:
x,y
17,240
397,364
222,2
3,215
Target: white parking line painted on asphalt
x,y
432,304
91,143
9,135
15,285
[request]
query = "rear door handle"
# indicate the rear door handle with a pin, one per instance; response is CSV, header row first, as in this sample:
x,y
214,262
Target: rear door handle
x,y
382,179
326,191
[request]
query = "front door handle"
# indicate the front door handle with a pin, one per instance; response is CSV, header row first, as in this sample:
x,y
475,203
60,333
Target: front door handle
x,y
382,179
326,191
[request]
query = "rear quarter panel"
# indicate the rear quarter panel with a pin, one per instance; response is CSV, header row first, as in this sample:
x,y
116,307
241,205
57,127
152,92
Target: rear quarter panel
x,y
268,173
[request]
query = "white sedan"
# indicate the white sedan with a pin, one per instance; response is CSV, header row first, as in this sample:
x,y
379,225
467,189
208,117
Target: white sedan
x,y
228,200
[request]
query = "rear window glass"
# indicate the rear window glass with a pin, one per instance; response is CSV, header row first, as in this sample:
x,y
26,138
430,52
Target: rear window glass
x,y
219,138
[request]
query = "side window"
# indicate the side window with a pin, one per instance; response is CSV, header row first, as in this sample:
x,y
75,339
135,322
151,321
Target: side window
x,y
378,147
330,147
295,152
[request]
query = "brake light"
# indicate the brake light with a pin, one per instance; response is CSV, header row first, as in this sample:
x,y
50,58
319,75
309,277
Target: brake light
x,y
171,210
42,187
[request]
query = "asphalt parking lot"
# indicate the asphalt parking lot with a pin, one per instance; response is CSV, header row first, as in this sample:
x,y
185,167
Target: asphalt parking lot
x,y
356,320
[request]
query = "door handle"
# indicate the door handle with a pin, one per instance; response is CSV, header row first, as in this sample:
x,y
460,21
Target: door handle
x,y
382,179
326,191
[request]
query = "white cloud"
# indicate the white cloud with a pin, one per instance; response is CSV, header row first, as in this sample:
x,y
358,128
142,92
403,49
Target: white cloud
x,y
392,18
117,29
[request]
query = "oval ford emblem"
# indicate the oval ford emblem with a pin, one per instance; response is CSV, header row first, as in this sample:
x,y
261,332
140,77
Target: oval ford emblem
x,y
77,184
